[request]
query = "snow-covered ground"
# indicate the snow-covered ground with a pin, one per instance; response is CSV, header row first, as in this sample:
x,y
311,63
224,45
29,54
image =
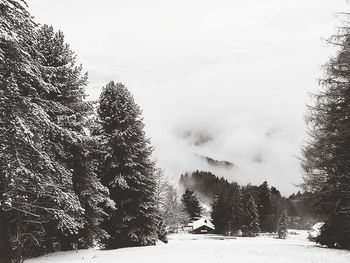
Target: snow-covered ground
x,y
187,248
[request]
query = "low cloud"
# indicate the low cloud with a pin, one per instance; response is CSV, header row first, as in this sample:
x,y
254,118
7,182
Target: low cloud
x,y
224,79
197,138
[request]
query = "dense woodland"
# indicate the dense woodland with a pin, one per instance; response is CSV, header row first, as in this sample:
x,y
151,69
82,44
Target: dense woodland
x,y
76,174
72,172
232,208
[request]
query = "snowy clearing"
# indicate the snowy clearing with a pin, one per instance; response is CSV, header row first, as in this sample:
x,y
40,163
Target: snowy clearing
x,y
209,249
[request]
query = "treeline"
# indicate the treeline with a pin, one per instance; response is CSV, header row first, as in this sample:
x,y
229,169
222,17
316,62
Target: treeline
x,y
72,172
249,208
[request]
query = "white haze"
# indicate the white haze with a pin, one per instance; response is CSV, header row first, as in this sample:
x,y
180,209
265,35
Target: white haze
x,y
237,70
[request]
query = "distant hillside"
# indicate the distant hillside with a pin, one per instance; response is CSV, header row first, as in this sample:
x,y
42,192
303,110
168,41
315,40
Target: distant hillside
x,y
216,163
206,185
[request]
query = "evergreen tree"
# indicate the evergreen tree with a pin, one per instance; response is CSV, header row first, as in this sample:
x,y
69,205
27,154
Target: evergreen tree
x,y
227,209
276,192
218,214
36,186
282,225
278,204
66,103
191,204
127,170
266,218
335,231
326,159
250,227
67,108
237,207
231,208
93,196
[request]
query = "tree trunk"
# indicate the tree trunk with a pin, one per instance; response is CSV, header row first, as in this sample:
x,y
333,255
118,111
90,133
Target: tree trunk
x,y
5,249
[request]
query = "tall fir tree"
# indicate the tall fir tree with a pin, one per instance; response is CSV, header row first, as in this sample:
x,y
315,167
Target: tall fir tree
x,y
93,196
191,204
42,112
127,170
62,72
35,182
237,207
227,209
266,217
68,109
251,224
278,205
326,157
218,213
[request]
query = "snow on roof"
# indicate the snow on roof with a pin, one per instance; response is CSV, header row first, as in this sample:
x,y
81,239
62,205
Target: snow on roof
x,y
318,225
202,222
315,230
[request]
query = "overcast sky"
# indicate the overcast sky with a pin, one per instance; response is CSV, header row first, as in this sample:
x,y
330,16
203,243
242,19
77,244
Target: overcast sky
x,y
234,72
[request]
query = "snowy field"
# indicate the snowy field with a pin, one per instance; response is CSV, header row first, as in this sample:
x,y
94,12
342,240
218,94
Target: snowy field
x,y
186,248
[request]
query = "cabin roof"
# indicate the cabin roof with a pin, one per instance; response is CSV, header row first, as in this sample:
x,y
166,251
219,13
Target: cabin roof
x,y
202,222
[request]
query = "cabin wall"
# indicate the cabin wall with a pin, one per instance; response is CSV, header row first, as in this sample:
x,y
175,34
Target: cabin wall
x,y
203,230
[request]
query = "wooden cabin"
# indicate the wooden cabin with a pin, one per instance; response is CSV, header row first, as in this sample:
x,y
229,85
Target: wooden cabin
x,y
202,226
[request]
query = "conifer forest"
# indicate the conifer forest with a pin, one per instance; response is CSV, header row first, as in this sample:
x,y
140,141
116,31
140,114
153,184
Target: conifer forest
x,y
184,137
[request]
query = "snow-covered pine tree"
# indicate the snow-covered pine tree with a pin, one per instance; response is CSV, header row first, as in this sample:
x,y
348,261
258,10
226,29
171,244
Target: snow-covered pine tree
x,y
251,220
127,170
191,204
282,225
67,108
62,72
35,184
93,196
38,204
326,159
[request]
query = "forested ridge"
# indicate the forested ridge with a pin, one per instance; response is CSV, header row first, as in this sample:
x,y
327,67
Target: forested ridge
x,y
229,207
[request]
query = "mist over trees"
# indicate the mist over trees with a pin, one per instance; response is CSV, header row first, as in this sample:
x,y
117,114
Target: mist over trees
x,y
232,211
